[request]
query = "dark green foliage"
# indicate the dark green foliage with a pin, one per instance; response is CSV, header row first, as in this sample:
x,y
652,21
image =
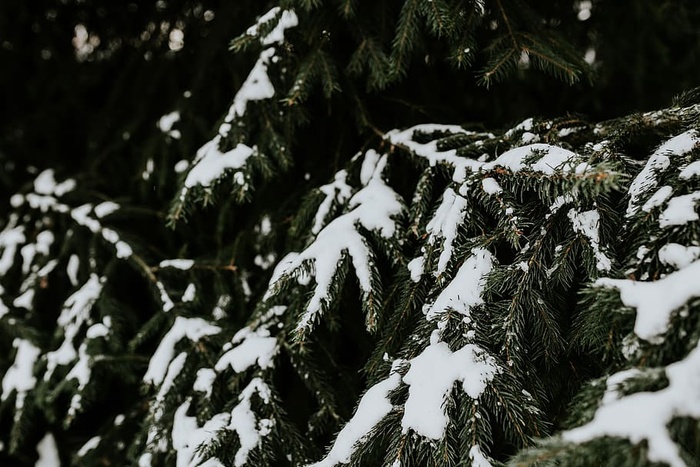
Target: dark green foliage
x,y
249,248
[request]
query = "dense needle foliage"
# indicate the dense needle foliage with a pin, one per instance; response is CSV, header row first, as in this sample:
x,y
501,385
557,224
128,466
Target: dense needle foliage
x,y
401,233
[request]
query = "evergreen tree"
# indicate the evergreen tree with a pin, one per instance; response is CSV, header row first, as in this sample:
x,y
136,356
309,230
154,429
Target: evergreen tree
x,y
271,249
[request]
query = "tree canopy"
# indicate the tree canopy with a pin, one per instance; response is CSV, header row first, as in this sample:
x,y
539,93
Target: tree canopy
x,y
307,232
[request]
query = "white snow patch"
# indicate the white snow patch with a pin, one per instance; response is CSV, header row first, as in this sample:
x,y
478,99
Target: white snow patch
x,y
658,198
72,269
525,125
204,381
678,256
243,421
99,329
253,347
45,184
190,328
164,297
416,267
614,382
444,224
25,300
680,210
288,19
553,158
429,151
167,121
105,209
657,163
181,166
81,215
256,87
655,301
80,372
337,191
692,170
644,416
174,369
369,166
372,408
91,444
374,208
210,164
265,227
491,186
431,377
10,239
588,224
188,436
74,314
265,262
48,452
190,293
183,264
464,291
20,376
478,458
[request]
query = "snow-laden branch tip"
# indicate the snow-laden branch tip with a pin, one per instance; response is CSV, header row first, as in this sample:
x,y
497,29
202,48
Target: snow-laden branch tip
x,y
645,416
191,328
374,207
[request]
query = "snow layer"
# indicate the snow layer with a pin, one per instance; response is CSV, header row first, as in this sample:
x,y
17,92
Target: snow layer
x,y
690,171
678,256
416,267
190,293
243,421
182,264
553,159
190,328
256,87
588,224
464,291
105,208
188,436
20,376
253,348
91,444
659,161
10,239
680,210
373,207
373,407
478,458
48,452
429,151
338,191
491,186
45,184
174,369
288,19
80,372
658,198
443,226
644,416
166,123
204,381
655,301
431,377
72,269
210,163
75,314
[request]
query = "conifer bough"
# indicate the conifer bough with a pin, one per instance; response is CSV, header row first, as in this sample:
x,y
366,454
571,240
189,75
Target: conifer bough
x,y
449,297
